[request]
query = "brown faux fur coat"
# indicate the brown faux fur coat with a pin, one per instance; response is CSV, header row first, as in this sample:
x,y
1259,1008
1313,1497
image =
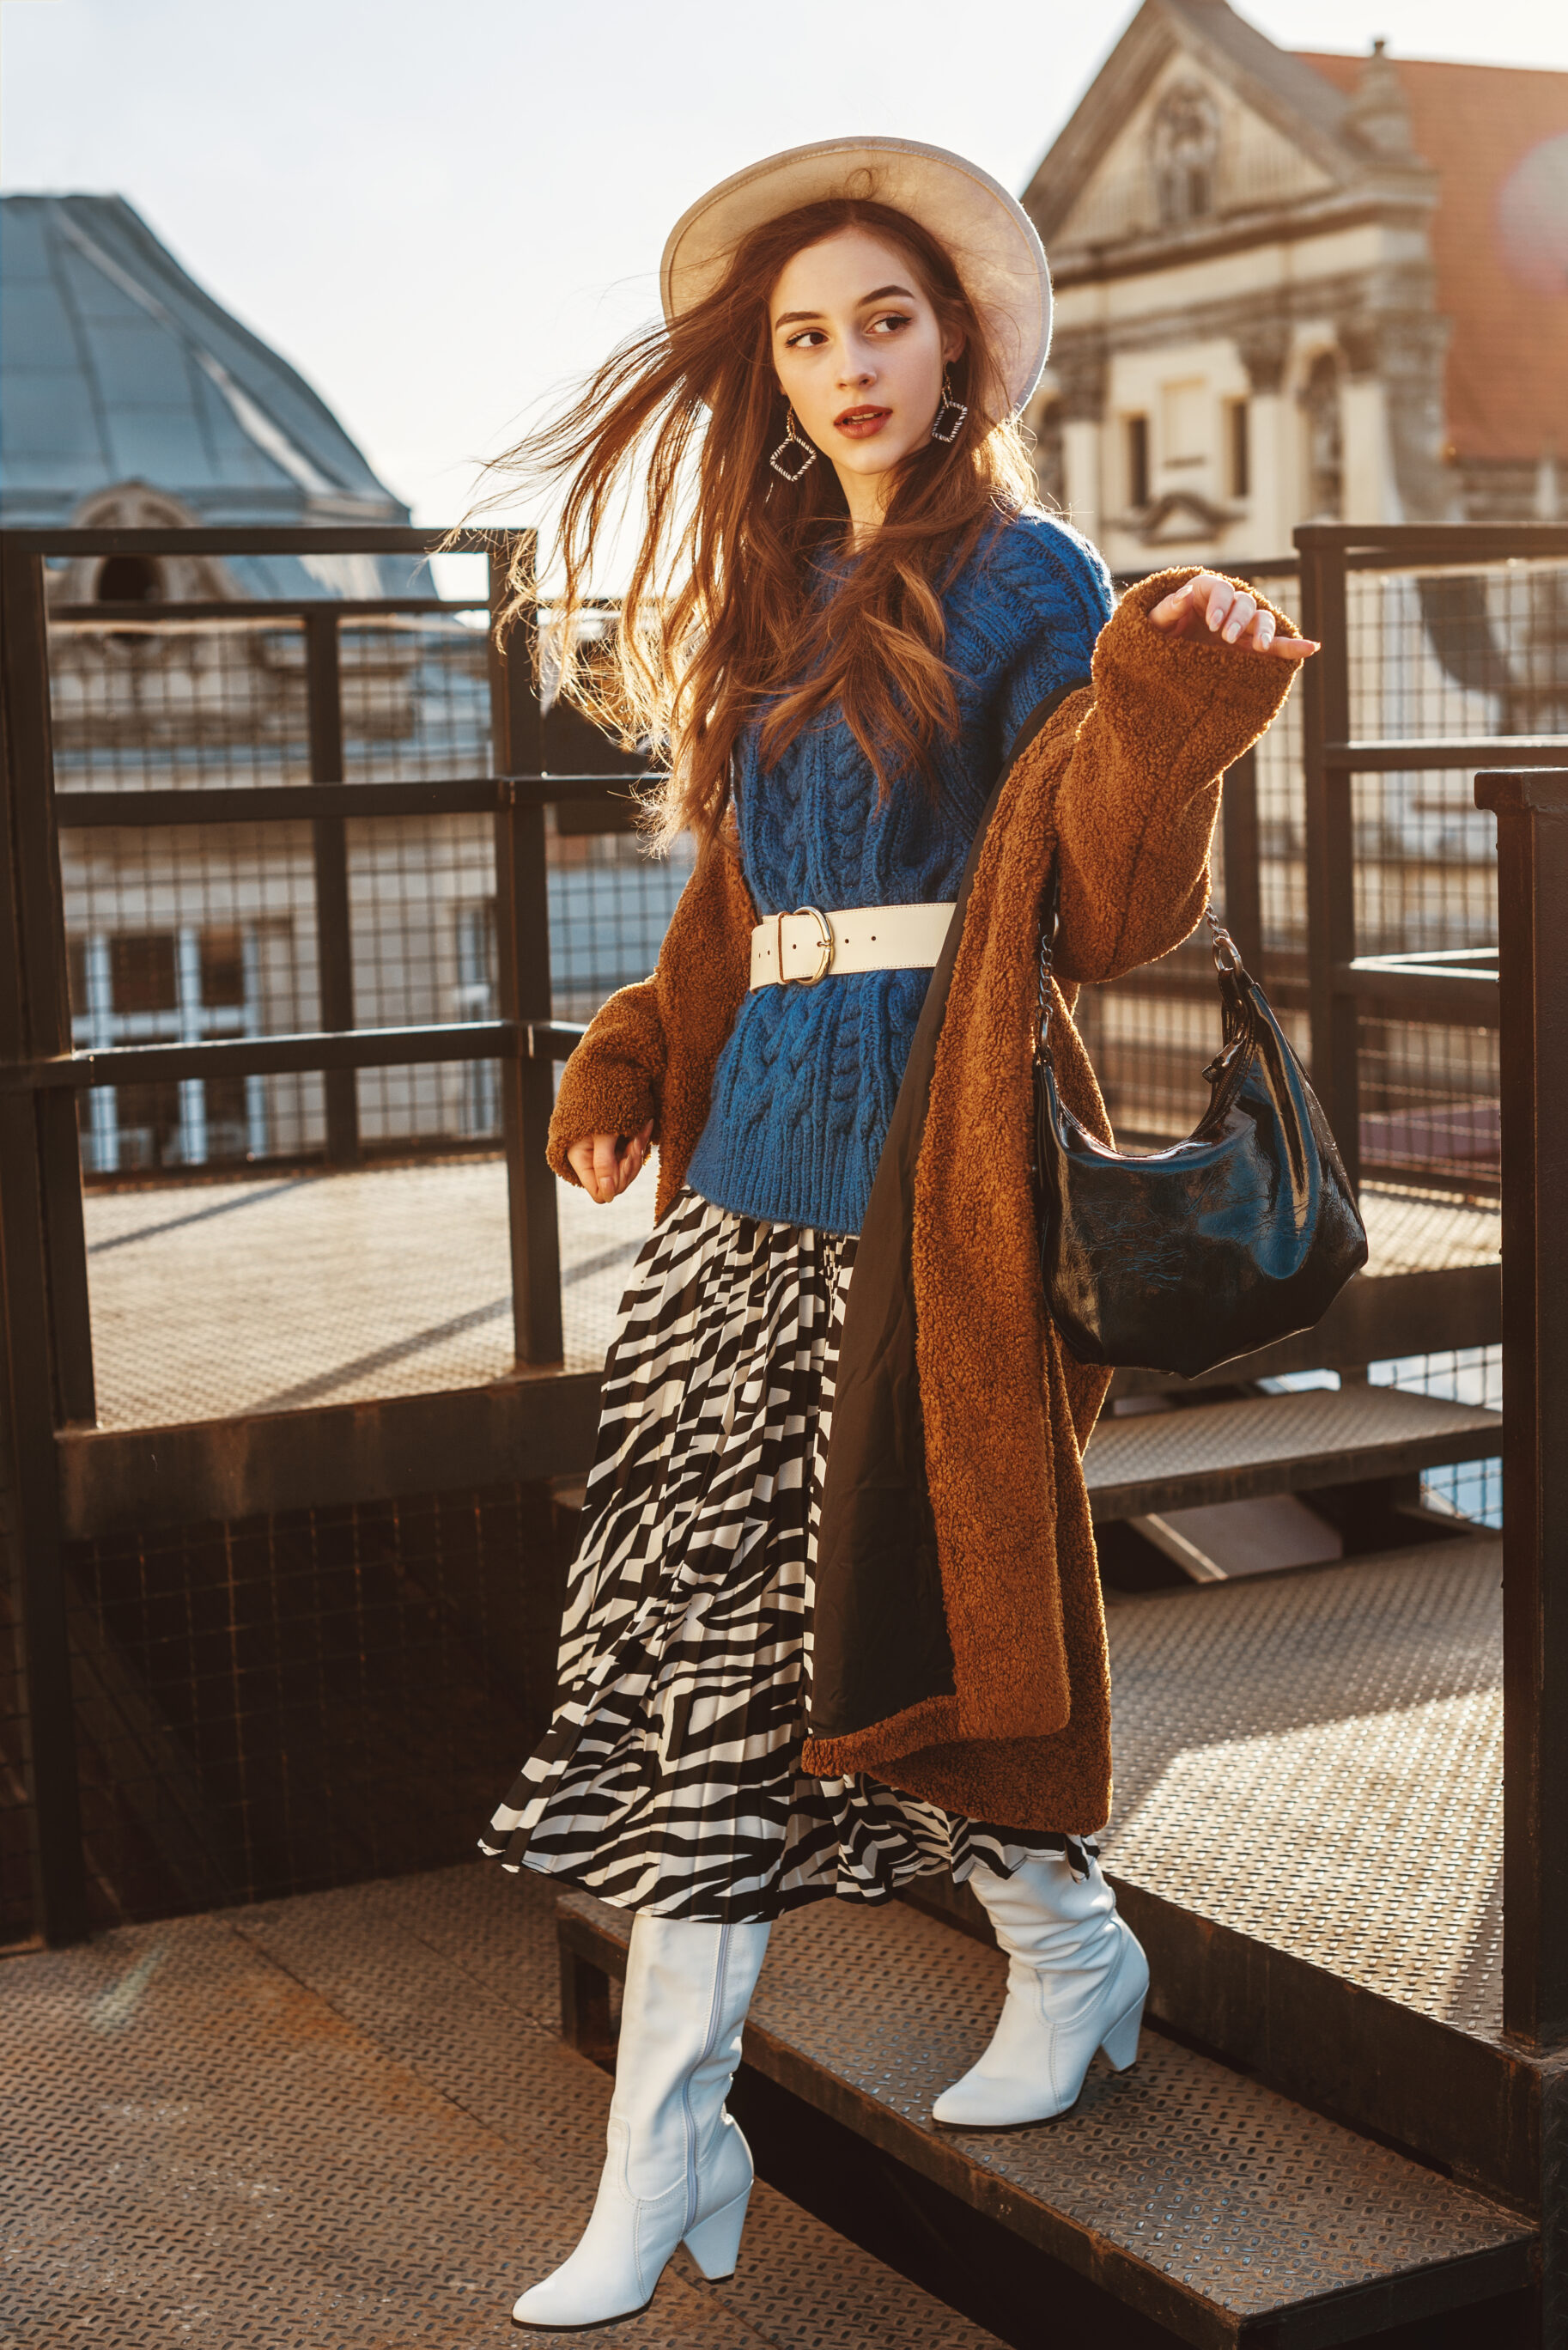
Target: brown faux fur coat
x,y
1122,784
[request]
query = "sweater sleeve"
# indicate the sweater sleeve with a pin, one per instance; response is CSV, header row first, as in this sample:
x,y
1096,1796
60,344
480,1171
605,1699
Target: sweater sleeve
x,y
1061,594
1136,807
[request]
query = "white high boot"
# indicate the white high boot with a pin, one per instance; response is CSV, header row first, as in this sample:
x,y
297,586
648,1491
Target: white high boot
x,y
677,2171
1076,1980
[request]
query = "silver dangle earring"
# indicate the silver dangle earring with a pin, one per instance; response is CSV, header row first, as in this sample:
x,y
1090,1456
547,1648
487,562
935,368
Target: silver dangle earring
x,y
793,458
951,413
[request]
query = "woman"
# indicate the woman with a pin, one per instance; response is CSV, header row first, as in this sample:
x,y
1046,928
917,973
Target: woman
x,y
790,1669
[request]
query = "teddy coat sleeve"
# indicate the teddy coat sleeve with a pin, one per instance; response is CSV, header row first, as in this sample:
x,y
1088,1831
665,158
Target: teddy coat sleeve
x,y
1135,807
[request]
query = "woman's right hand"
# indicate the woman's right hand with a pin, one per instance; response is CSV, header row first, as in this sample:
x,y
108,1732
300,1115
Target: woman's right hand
x,y
604,1164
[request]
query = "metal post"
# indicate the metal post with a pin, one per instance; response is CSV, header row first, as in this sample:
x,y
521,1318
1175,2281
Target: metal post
x,y
1330,848
1533,985
36,1305
523,952
1243,871
334,934
35,844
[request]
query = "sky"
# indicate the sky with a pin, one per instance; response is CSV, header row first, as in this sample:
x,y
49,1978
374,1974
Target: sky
x,y
443,211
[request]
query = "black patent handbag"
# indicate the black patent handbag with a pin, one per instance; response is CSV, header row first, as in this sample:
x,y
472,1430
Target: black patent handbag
x,y
1176,1259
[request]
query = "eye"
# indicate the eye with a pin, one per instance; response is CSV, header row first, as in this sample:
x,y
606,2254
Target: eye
x,y
807,339
890,319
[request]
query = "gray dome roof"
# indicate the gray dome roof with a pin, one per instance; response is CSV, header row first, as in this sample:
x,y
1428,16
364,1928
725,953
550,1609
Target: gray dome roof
x,y
115,367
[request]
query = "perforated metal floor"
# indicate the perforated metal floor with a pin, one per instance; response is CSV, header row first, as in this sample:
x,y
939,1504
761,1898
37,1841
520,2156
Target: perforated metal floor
x,y
1222,1452
1179,2166
1410,1231
385,1282
396,1281
1317,1760
349,2120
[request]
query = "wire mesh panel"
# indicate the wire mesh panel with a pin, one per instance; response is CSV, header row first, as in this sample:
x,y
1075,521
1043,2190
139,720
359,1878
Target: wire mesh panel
x,y
610,905
164,705
1282,842
1429,1103
181,934
1453,652
1459,650
415,697
277,1703
1470,1489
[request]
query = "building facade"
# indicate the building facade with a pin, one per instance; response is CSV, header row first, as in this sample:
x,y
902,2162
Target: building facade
x,y
1299,288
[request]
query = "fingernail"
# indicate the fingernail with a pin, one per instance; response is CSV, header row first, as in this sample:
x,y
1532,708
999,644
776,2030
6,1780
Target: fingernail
x,y
1232,632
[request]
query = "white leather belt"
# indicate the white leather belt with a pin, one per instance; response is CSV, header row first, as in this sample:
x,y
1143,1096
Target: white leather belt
x,y
804,946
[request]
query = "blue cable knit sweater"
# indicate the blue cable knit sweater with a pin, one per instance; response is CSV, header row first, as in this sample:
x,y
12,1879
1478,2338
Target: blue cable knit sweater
x,y
807,1079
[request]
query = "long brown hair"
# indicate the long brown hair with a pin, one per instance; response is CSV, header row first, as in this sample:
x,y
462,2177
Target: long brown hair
x,y
725,619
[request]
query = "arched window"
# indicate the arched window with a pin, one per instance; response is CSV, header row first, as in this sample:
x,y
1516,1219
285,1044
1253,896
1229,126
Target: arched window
x,y
130,579
1184,148
1325,439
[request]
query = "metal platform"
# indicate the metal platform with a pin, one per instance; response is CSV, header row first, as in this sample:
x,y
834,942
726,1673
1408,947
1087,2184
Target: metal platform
x,y
1315,1761
1197,2198
350,2120
1412,1230
396,1280
1274,1444
1308,1838
386,1281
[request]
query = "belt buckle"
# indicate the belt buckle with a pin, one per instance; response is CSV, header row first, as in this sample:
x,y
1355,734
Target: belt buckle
x,y
823,946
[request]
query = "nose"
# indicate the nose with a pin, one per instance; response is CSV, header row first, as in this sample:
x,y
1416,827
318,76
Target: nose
x,y
853,379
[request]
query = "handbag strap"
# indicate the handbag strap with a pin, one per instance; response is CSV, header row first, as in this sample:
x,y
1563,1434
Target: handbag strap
x,y
1227,957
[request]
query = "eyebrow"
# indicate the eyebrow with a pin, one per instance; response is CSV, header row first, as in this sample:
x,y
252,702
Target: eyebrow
x,y
794,317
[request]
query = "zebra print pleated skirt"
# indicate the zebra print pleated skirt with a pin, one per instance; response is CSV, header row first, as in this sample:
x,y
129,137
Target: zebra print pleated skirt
x,y
669,1777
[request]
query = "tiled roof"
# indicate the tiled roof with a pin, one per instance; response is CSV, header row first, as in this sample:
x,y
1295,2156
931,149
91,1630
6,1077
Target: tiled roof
x,y
1498,137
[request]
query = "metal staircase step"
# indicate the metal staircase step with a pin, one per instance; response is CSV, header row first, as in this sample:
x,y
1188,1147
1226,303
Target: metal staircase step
x,y
1184,1457
1193,2195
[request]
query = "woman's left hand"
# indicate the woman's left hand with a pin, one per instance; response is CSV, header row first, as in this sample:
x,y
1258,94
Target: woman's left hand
x,y
1210,606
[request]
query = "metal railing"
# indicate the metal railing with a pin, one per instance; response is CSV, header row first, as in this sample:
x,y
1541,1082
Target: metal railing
x,y
1352,983
71,1485
48,1402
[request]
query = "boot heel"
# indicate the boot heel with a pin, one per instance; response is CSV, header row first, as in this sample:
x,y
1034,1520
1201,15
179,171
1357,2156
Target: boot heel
x,y
1119,2046
714,2243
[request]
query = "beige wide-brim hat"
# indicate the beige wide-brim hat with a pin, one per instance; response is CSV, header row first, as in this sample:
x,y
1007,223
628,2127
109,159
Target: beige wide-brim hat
x,y
991,237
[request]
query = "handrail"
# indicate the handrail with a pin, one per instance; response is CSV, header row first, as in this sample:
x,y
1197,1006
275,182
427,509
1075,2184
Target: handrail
x,y
1396,752
296,803
260,538
151,615
1394,545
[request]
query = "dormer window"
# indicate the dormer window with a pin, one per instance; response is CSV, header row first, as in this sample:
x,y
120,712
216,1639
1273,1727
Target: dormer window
x,y
1184,149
